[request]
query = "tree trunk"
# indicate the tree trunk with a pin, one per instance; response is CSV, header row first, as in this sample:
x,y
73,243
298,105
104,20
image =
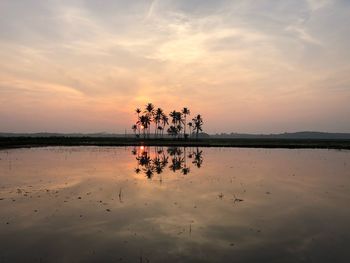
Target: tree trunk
x,y
185,127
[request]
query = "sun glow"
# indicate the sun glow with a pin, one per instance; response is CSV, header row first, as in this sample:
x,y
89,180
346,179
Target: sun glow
x,y
89,70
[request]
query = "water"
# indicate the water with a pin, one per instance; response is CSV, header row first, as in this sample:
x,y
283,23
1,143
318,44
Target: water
x,y
91,204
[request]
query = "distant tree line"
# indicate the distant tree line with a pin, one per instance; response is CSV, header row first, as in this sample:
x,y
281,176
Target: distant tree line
x,y
175,123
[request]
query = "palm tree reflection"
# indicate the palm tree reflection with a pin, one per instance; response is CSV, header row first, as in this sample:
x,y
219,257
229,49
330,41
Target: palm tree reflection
x,y
151,160
198,159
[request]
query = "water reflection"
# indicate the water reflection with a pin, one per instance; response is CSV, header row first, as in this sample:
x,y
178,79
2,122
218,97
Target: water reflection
x,y
86,204
152,160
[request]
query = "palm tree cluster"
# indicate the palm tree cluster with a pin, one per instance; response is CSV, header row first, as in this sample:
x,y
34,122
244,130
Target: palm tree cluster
x,y
150,162
160,120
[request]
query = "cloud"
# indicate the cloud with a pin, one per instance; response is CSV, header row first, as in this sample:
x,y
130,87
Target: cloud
x,y
318,4
151,8
302,34
216,56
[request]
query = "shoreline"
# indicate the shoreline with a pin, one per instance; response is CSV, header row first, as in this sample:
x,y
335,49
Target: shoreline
x,y
30,142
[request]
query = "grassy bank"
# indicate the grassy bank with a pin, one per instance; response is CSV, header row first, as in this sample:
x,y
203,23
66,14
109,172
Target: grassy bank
x,y
19,142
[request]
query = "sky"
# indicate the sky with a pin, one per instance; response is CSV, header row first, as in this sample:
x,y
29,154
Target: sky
x,y
246,66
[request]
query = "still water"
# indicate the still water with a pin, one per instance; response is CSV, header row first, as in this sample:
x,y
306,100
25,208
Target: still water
x,y
153,204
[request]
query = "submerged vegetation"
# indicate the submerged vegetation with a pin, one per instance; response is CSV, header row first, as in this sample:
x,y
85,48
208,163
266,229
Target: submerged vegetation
x,y
176,128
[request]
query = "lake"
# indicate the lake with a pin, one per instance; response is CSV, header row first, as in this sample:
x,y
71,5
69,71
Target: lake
x,y
154,204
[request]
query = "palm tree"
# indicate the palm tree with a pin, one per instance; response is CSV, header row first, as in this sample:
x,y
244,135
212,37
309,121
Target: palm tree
x,y
180,120
134,128
149,110
198,122
138,111
172,130
190,125
140,124
176,121
165,121
173,116
179,129
185,112
145,121
157,118
160,129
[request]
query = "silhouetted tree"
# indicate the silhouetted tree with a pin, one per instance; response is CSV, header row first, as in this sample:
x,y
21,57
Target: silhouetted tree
x,y
145,122
185,112
160,130
197,123
165,121
157,119
173,117
190,126
172,130
138,111
134,128
161,120
177,121
149,113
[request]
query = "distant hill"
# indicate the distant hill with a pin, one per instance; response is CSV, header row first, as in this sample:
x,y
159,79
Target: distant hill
x,y
294,135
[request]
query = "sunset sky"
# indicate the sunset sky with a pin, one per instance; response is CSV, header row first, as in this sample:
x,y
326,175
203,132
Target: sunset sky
x,y
246,66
